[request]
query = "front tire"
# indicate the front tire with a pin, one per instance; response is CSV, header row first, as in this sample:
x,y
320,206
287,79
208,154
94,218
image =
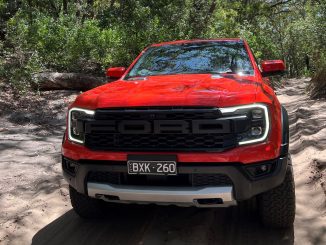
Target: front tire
x,y
277,206
85,206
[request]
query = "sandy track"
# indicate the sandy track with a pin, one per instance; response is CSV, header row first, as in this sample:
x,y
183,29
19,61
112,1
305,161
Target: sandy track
x,y
35,206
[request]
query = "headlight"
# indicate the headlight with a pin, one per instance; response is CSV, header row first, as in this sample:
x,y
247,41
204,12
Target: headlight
x,y
259,122
76,117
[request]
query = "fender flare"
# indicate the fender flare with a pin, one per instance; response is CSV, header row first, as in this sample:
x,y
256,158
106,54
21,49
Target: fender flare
x,y
285,132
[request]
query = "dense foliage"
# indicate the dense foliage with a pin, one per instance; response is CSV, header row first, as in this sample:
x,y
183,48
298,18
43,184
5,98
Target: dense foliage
x,y
89,35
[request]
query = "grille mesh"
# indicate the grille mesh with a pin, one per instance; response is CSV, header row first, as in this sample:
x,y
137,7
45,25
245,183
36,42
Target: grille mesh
x,y
187,179
210,179
104,177
159,141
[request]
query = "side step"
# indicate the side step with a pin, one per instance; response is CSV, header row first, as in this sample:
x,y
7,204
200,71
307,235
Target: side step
x,y
182,196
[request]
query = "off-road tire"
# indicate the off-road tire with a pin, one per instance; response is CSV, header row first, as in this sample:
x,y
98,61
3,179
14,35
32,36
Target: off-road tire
x,y
85,206
277,206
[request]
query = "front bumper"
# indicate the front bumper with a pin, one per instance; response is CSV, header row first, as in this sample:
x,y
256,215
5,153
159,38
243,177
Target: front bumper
x,y
244,186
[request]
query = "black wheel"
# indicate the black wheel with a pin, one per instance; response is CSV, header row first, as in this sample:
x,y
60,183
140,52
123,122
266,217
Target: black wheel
x,y
85,206
277,206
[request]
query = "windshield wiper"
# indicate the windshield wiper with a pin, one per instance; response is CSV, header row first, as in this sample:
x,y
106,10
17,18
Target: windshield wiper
x,y
190,72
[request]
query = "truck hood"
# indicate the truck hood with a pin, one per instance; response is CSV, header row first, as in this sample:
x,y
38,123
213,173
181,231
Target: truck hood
x,y
173,90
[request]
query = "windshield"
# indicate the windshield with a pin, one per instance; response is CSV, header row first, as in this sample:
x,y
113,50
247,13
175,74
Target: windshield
x,y
193,58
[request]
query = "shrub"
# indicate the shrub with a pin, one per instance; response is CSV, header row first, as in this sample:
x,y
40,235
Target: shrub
x,y
48,44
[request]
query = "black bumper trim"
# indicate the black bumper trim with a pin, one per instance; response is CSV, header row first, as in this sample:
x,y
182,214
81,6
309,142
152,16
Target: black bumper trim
x,y
245,187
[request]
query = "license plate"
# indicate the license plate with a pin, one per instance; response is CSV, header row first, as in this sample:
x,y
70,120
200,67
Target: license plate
x,y
152,167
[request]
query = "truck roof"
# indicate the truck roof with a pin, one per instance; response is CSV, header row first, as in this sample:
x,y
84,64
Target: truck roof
x,y
197,41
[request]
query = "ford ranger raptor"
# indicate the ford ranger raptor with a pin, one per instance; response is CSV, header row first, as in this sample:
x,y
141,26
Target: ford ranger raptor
x,y
189,123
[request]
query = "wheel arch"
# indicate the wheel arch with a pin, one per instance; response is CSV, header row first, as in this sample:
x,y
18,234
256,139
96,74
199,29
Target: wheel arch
x,y
285,132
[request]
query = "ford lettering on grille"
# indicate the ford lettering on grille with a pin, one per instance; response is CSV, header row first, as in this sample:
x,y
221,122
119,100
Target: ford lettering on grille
x,y
159,126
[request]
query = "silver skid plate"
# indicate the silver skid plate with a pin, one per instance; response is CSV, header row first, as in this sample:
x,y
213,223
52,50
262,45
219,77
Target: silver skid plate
x,y
182,196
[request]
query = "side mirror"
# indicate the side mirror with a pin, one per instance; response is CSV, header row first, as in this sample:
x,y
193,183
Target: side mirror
x,y
115,72
272,67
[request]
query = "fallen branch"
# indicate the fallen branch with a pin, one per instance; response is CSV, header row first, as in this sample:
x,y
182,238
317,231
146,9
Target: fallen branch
x,y
66,81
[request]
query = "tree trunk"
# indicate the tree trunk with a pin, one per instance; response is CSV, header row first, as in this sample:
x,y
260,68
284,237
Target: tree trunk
x,y
65,6
66,81
318,84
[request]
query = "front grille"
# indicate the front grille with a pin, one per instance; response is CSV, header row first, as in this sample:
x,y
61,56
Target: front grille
x,y
160,129
194,180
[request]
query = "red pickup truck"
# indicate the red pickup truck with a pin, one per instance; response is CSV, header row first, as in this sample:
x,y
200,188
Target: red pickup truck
x,y
189,123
